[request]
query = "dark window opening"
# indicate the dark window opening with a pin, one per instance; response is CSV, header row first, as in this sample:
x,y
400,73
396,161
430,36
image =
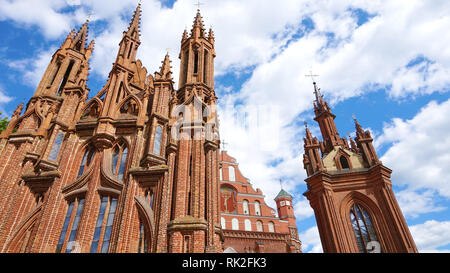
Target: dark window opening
x,y
119,93
58,66
66,77
205,67
344,162
185,66
129,51
195,62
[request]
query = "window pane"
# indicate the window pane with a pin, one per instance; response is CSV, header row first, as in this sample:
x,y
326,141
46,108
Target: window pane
x,y
83,163
362,227
122,163
65,226
157,144
56,146
114,160
105,246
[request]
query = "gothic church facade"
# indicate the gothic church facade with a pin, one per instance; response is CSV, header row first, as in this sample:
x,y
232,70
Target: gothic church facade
x,y
135,168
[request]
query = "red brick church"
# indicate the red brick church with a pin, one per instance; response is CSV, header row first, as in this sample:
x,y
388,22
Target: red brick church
x,y
138,167
135,168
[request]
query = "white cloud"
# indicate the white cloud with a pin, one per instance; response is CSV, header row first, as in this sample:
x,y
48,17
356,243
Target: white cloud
x,y
431,235
4,98
413,203
302,209
311,241
33,69
419,154
43,13
253,34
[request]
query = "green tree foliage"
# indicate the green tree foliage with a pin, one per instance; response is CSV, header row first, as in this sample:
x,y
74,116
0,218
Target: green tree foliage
x,y
3,123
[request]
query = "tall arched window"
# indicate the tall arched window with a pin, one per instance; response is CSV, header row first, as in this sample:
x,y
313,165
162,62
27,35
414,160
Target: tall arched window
x,y
71,222
245,207
259,226
231,174
235,224
119,160
271,227
149,197
247,225
344,162
362,227
158,138
223,223
87,159
56,147
103,227
143,239
220,173
257,208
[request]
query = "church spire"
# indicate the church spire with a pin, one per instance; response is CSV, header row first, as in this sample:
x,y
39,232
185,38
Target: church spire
x,y
198,28
165,72
134,27
79,42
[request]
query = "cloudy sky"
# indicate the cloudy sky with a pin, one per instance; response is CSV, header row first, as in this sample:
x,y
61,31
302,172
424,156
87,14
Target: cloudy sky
x,y
387,62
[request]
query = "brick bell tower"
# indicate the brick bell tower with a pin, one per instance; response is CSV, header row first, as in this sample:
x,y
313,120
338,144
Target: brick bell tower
x,y
195,220
286,212
350,191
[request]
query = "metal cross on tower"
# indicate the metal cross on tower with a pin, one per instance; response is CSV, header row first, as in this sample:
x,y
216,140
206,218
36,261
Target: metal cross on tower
x,y
224,144
89,16
198,4
312,76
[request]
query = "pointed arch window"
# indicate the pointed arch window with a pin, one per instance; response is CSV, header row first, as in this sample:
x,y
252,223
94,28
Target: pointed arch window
x,y
344,162
65,78
103,226
86,161
362,227
143,239
119,160
70,227
158,138
56,147
149,197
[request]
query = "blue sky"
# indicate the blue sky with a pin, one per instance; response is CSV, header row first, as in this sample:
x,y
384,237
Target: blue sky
x,y
387,62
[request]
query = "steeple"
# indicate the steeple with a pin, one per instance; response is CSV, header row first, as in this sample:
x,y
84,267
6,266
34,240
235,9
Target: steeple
x,y
134,28
79,42
130,40
198,28
165,72
364,143
197,57
325,118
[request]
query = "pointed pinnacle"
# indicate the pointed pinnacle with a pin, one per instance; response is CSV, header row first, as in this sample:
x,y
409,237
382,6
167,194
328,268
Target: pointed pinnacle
x,y
135,22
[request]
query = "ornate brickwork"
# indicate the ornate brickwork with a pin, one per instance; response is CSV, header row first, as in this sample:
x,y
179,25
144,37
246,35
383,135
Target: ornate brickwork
x,y
350,191
135,168
248,223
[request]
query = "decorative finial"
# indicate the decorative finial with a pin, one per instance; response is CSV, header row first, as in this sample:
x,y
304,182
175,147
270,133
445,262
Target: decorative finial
x,y
354,117
281,183
167,50
306,124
